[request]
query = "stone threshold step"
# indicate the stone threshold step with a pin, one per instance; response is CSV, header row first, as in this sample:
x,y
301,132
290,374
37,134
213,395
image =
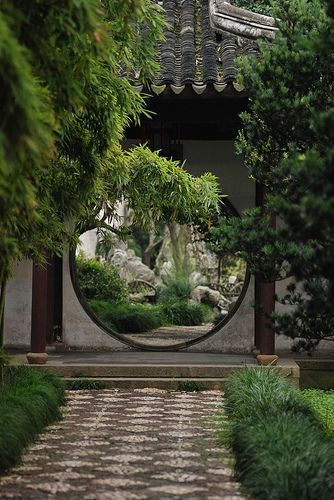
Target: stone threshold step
x,y
176,383
290,370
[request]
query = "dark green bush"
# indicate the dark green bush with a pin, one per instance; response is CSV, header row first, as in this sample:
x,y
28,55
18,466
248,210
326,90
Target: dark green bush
x,y
260,6
175,290
282,451
128,318
138,318
183,313
189,386
285,458
273,395
322,404
29,400
100,280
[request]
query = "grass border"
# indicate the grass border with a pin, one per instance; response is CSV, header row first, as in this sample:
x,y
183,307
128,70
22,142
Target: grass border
x,y
282,450
29,400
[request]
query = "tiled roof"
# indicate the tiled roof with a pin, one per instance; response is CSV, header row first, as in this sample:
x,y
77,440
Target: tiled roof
x,y
227,17
193,53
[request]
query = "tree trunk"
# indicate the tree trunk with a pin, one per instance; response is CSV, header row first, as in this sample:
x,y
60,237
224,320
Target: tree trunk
x,y
219,270
2,311
147,255
2,323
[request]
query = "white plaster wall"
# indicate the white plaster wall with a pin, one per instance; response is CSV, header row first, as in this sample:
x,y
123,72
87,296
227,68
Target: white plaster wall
x,y
88,241
79,330
238,335
18,307
219,157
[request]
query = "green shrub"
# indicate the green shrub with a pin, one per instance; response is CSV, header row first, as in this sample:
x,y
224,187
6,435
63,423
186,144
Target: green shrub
x,y
273,395
282,451
176,289
128,318
29,400
284,458
100,280
84,384
5,358
183,313
260,6
322,404
189,386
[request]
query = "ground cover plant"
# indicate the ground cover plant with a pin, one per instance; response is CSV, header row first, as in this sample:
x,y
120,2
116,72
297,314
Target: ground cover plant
x,y
126,317
189,386
83,384
183,313
322,403
29,400
139,318
282,450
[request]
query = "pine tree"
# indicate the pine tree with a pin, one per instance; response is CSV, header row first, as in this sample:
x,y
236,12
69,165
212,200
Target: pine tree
x,y
286,141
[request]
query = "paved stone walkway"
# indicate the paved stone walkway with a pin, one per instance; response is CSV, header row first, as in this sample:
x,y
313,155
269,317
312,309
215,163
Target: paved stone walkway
x,y
128,445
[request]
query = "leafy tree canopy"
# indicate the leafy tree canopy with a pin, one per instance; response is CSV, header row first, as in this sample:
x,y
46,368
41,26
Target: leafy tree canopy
x,y
157,189
65,107
286,141
259,6
65,102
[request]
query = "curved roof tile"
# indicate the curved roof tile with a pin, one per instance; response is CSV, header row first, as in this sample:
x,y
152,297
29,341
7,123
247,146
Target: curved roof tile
x,y
199,49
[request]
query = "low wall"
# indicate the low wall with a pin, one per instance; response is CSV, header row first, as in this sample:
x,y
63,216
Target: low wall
x,y
18,307
81,332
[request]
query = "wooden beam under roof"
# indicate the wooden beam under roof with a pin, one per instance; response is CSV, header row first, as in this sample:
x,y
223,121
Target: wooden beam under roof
x,y
225,17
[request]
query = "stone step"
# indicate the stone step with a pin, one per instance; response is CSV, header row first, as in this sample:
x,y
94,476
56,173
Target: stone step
x,y
139,371
170,384
154,372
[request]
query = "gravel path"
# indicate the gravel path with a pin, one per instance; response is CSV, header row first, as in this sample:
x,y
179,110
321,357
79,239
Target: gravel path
x,y
128,445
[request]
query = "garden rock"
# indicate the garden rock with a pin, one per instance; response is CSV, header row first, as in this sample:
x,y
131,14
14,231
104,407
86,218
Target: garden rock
x,y
131,267
207,295
197,278
120,258
136,269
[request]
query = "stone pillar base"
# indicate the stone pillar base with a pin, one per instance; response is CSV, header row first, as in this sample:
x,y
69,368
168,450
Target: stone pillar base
x,y
37,358
267,359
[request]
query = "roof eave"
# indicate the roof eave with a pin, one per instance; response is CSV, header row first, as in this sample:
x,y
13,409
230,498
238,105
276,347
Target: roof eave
x,y
225,17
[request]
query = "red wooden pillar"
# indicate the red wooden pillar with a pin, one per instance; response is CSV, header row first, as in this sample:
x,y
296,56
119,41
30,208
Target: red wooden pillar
x,y
264,297
41,312
266,305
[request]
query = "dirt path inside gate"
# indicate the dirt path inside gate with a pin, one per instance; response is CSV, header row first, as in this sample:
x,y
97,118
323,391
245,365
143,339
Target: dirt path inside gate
x,y
128,445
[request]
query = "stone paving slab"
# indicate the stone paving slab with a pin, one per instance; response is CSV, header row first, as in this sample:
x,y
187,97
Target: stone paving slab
x,y
143,358
138,444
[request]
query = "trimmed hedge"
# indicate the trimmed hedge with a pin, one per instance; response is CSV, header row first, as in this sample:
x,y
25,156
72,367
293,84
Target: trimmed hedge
x,y
282,451
138,318
29,400
183,313
127,318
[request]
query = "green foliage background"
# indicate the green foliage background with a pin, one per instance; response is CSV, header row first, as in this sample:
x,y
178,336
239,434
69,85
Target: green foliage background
x,y
66,98
100,280
287,143
259,6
